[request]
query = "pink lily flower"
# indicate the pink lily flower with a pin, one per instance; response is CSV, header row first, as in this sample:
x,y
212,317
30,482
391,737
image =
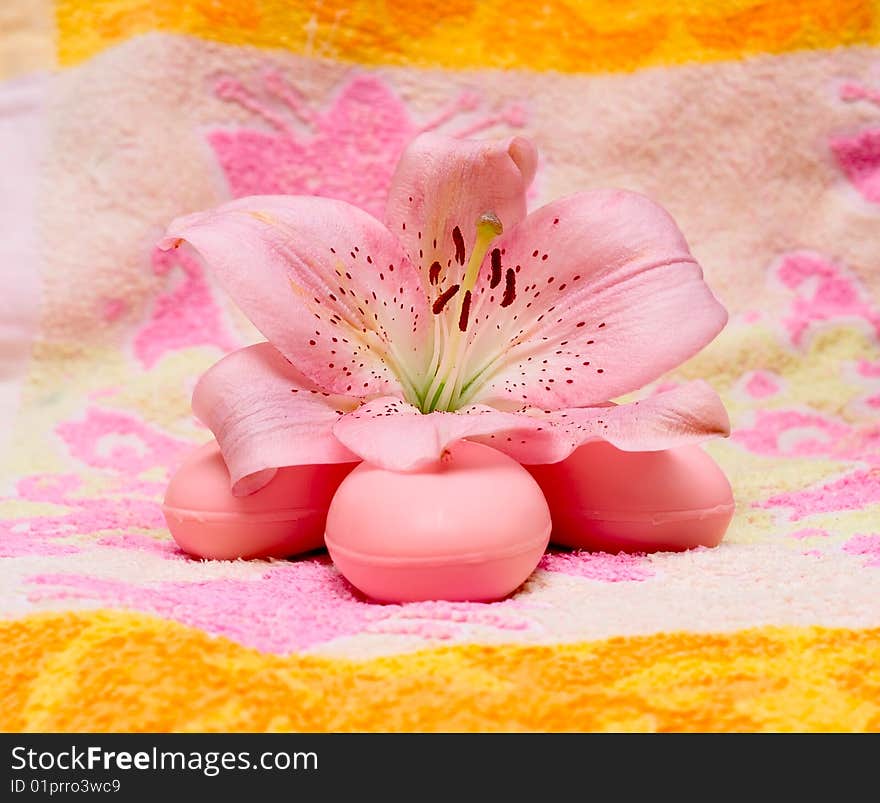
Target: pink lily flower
x,y
458,317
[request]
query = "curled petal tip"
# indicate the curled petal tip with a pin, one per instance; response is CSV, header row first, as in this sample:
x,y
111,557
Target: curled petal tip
x,y
724,429
708,407
525,156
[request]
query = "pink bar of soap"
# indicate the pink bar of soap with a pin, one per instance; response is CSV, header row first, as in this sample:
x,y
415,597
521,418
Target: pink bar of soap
x,y
471,527
606,500
284,518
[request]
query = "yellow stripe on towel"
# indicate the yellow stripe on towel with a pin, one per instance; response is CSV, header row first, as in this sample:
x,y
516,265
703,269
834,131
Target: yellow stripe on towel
x,y
587,36
109,671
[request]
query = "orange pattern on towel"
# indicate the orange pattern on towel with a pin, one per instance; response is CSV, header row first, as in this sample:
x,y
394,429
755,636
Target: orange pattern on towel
x,y
567,36
57,670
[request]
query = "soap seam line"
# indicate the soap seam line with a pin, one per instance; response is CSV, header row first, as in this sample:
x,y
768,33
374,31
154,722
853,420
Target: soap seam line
x,y
655,516
222,517
428,562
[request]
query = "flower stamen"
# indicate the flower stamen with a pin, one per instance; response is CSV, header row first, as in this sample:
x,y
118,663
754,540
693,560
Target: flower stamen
x,y
445,381
496,269
434,272
459,245
509,288
465,311
443,298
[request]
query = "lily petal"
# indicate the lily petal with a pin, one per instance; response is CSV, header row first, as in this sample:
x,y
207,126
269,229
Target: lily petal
x,y
265,415
442,186
689,413
324,281
392,434
603,296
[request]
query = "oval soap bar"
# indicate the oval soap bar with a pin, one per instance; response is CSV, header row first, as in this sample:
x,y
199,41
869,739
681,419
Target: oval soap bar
x,y
473,527
607,500
283,518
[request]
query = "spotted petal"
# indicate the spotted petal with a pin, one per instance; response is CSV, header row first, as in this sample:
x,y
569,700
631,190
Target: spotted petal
x,y
690,413
266,415
599,296
326,283
391,433
441,188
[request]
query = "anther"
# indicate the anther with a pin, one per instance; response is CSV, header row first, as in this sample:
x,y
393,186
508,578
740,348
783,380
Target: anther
x,y
434,272
509,288
459,245
465,311
496,269
443,298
